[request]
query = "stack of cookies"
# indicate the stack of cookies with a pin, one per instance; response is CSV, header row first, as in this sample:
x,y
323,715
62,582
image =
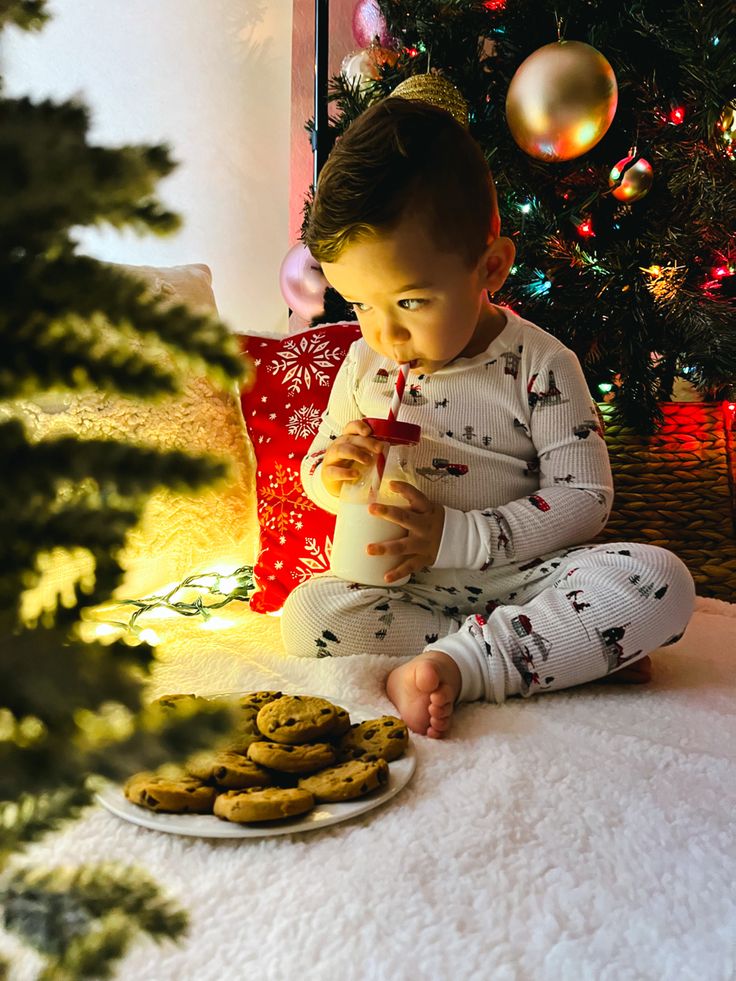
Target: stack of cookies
x,y
284,754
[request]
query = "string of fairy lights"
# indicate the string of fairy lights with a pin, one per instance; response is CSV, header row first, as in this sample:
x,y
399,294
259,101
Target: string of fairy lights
x,y
177,598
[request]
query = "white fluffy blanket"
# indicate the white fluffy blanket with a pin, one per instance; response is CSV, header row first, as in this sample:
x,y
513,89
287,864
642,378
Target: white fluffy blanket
x,y
581,835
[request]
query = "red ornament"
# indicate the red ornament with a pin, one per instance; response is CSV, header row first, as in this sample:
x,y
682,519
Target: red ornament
x,y
494,4
585,228
369,24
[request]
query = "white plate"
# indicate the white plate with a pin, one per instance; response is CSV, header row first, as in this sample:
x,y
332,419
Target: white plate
x,y
322,815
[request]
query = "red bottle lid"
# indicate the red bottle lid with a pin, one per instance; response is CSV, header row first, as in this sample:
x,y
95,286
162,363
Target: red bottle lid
x,y
393,432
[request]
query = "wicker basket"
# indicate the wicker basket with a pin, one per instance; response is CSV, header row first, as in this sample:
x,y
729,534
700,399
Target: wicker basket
x,y
677,489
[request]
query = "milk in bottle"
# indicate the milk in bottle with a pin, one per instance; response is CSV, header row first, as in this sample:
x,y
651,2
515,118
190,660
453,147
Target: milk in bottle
x,y
355,528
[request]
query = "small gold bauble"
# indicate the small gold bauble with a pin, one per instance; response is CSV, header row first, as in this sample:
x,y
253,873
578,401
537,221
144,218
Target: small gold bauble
x,y
561,100
437,91
726,126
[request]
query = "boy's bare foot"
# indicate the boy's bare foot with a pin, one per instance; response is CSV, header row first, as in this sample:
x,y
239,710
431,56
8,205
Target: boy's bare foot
x,y
424,692
637,673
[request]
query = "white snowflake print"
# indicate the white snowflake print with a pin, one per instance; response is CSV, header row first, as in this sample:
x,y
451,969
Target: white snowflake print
x,y
304,422
300,361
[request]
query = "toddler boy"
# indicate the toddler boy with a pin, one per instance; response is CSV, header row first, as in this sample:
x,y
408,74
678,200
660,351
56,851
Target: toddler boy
x,y
504,596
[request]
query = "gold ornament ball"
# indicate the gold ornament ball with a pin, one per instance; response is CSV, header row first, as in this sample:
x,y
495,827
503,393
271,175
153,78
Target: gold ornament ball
x,y
437,91
726,126
561,100
632,184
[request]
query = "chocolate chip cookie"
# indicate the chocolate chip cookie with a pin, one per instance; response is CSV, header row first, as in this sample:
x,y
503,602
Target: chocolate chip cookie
x,y
190,702
181,794
267,804
301,758
342,723
296,719
227,769
385,738
347,780
245,708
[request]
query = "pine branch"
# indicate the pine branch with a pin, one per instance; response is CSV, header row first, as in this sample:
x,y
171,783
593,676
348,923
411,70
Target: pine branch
x,y
30,15
31,817
96,326
84,920
120,469
54,180
70,710
70,493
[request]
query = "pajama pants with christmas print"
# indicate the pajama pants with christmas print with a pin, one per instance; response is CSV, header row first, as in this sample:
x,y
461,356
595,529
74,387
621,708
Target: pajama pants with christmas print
x,y
548,623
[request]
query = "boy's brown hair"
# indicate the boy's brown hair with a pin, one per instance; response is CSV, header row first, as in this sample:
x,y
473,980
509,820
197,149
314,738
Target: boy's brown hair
x,y
404,156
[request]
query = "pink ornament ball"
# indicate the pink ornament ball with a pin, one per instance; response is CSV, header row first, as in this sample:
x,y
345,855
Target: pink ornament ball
x,y
302,282
369,22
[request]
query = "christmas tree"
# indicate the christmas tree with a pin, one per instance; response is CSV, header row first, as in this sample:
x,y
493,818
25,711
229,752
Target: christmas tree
x,y
71,710
626,247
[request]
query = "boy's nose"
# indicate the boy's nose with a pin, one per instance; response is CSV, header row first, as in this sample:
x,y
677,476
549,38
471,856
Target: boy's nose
x,y
391,332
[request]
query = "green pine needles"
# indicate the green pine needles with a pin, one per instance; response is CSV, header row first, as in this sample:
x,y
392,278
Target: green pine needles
x,y
71,711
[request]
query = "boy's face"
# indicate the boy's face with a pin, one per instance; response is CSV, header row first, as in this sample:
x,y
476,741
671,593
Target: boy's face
x,y
415,303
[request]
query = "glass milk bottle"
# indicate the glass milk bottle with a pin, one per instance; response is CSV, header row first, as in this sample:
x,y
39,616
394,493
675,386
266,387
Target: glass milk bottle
x,y
355,528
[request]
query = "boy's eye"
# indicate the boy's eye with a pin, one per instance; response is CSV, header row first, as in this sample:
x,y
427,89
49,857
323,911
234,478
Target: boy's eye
x,y
357,307
419,302
404,304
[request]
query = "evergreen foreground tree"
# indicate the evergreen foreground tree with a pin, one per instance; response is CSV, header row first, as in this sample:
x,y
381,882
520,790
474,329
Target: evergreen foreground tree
x,y
70,710
643,291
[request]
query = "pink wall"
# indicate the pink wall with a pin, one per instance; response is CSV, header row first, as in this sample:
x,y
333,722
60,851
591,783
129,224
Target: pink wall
x,y
302,92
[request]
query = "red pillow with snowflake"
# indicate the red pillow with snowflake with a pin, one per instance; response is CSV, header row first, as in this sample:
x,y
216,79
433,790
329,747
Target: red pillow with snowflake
x,y
282,412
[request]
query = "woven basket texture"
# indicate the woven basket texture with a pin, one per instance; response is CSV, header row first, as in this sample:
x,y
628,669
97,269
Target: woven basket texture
x,y
677,489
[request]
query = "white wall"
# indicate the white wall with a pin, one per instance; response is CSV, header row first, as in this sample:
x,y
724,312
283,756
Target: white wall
x,y
211,78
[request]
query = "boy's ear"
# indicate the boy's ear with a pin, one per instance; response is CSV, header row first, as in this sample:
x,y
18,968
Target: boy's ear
x,y
496,262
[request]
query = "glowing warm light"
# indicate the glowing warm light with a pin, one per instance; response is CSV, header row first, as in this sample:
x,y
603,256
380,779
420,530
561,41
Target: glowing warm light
x,y
229,584
105,630
585,228
216,623
676,115
412,52
664,281
149,636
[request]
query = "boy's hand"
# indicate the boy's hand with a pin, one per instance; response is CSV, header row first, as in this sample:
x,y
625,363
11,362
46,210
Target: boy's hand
x,y
349,455
423,521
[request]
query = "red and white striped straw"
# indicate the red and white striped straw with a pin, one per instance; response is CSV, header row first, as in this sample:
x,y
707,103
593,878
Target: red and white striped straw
x,y
399,390
392,414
